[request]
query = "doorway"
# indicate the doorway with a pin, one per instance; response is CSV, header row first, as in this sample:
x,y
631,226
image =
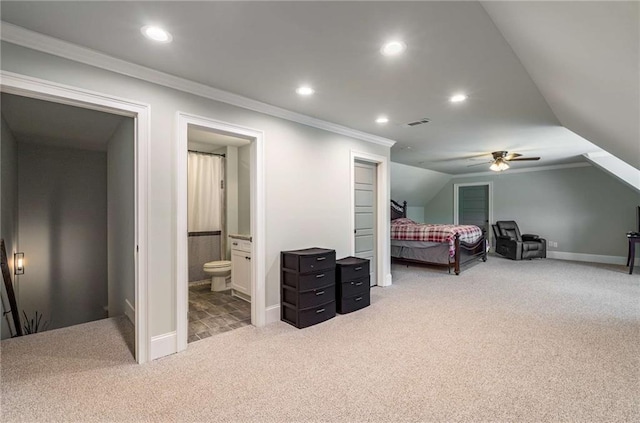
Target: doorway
x,y
137,115
473,205
218,232
245,221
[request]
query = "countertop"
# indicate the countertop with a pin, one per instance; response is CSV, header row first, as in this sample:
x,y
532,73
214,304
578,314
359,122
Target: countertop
x,y
241,236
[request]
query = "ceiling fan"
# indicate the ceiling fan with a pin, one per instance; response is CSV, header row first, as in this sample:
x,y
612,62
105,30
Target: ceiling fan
x,y
501,160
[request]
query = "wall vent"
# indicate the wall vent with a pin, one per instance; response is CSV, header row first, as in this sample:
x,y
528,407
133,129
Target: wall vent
x,y
418,122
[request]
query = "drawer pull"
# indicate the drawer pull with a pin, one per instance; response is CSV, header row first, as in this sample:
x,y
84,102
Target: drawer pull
x,y
320,258
320,293
320,276
248,258
320,311
235,243
358,283
358,299
358,268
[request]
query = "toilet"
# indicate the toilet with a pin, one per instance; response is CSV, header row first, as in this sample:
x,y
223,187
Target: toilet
x,y
219,271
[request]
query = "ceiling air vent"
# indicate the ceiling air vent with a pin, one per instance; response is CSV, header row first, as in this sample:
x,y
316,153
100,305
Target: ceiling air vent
x,y
418,122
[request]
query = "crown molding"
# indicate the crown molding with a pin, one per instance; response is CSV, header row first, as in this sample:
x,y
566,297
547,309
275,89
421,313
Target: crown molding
x,y
527,170
36,41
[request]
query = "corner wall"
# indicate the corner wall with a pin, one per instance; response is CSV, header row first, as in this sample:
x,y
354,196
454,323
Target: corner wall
x,y
416,186
62,199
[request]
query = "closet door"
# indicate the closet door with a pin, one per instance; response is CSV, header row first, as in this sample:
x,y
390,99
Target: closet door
x,y
365,214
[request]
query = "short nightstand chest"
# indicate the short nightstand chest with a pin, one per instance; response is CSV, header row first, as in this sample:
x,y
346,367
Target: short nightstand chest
x,y
352,284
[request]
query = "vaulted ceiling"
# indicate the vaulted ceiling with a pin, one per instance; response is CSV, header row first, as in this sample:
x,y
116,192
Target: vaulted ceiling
x,y
548,79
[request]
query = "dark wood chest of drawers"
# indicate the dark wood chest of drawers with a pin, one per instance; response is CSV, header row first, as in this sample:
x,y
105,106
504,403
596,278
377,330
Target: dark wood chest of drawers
x,y
307,286
352,284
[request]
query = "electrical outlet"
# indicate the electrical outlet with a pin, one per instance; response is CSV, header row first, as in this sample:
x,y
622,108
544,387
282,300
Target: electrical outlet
x,y
553,244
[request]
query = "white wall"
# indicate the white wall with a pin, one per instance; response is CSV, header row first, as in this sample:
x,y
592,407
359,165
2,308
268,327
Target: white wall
x,y
307,173
120,219
584,209
417,187
8,205
62,198
244,190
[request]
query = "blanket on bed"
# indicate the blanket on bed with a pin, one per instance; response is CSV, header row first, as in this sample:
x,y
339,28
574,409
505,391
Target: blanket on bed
x,y
408,230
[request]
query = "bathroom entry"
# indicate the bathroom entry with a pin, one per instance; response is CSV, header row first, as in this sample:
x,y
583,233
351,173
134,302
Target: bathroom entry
x,y
218,223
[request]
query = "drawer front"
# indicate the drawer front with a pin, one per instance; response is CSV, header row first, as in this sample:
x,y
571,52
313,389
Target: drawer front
x,y
349,304
354,287
310,316
354,271
312,298
241,245
317,262
309,281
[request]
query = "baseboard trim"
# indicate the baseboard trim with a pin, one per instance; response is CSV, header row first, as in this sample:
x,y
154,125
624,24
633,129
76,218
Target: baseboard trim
x,y
273,314
388,280
163,345
130,312
593,258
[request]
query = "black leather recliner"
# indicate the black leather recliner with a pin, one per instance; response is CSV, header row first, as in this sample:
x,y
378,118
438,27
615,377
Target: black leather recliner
x,y
511,244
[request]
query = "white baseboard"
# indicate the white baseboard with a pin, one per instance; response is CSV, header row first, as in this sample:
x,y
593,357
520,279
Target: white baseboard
x,y
273,314
593,258
162,345
387,280
130,312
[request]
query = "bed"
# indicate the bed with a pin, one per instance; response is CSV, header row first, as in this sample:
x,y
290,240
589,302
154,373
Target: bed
x,y
441,245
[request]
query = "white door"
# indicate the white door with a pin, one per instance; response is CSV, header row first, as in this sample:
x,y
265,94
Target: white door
x,y
365,214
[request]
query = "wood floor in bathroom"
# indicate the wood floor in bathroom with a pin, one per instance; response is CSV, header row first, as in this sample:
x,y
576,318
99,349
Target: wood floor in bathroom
x,y
211,313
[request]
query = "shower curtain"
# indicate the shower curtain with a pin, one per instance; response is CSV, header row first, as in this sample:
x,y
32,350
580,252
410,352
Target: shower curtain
x,y
205,194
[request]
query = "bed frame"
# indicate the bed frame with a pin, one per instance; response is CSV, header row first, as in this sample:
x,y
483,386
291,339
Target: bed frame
x,y
465,252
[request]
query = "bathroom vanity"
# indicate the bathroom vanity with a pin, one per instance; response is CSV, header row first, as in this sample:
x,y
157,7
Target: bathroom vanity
x,y
241,266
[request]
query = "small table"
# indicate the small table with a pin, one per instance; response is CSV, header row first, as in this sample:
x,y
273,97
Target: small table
x,y
634,238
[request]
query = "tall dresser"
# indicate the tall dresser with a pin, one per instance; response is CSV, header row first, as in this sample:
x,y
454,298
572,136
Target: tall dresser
x,y
307,286
352,284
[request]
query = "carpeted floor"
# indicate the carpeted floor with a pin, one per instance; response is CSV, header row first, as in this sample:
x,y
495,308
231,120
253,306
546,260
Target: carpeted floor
x,y
532,341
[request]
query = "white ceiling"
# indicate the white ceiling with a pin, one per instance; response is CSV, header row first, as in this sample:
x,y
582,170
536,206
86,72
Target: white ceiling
x,y
44,122
264,50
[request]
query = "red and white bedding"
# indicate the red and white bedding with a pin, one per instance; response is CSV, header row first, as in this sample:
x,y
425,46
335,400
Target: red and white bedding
x,y
408,230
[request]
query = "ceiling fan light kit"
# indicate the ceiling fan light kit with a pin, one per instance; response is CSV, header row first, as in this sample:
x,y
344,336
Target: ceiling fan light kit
x,y
499,165
501,160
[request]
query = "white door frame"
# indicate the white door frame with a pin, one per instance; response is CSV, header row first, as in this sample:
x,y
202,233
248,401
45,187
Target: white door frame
x,y
456,202
258,294
26,86
383,224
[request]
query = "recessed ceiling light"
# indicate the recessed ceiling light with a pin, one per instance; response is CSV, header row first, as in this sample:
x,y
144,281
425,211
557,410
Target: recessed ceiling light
x,y
305,90
382,119
393,48
458,98
156,33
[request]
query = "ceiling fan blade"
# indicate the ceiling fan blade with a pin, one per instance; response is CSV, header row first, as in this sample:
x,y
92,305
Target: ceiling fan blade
x,y
480,164
512,156
525,159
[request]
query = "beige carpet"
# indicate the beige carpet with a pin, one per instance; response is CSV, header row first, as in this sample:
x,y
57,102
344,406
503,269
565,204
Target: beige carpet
x,y
533,341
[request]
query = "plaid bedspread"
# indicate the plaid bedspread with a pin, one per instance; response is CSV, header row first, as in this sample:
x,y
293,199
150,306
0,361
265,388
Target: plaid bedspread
x,y
408,230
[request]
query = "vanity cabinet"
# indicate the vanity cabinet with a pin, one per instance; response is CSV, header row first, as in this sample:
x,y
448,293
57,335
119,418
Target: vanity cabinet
x,y
241,268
